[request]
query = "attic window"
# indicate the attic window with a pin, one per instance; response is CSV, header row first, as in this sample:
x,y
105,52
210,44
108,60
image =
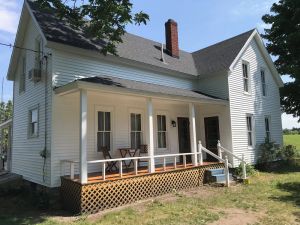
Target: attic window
x,y
38,53
22,76
246,76
263,82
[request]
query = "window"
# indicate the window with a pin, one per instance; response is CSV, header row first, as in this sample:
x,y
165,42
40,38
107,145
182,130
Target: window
x,y
246,77
33,122
267,128
38,53
250,130
104,130
161,131
22,76
263,83
136,130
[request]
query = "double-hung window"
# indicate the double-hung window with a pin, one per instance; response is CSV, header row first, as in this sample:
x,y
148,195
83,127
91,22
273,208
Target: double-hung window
x,y
263,83
38,53
246,77
22,76
104,130
136,130
249,119
267,128
33,122
161,131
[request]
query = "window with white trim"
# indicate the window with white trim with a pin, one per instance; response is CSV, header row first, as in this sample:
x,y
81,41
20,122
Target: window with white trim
x,y
135,130
33,122
104,130
22,76
263,82
249,119
161,131
38,53
246,77
267,128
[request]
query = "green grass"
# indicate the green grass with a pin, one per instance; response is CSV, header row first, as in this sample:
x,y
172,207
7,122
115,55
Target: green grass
x,y
274,198
292,140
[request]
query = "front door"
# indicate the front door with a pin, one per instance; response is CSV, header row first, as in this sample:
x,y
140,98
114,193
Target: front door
x,y
212,135
184,137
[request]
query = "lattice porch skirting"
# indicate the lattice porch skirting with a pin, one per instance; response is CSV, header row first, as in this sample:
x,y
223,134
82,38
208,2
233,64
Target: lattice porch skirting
x,y
94,197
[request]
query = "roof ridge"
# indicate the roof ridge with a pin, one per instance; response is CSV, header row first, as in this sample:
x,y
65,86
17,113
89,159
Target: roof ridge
x,y
148,39
228,39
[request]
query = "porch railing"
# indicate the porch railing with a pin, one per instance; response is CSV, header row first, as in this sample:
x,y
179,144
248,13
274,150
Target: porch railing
x,y
221,150
164,158
225,161
135,160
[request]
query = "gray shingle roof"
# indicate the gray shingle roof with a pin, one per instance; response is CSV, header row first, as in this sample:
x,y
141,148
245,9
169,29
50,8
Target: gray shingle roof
x,y
215,58
147,87
218,57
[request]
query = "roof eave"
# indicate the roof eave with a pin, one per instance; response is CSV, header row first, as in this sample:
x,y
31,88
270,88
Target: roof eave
x,y
77,85
265,54
18,41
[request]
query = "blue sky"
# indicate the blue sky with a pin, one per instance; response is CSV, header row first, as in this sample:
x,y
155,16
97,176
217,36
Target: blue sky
x,y
201,23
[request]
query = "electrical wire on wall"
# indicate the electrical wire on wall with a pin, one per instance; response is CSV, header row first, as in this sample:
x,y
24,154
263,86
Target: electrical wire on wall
x,y
44,57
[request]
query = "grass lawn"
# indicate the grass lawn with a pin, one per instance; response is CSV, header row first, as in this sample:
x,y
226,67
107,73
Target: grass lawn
x,y
292,140
270,198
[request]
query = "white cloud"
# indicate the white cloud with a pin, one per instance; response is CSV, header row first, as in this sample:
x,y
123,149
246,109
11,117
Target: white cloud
x,y
9,14
288,121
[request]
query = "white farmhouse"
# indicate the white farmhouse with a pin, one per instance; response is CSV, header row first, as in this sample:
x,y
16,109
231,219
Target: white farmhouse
x,y
74,102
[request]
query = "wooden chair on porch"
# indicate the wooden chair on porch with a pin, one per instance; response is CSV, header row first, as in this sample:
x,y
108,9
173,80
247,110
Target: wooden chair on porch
x,y
143,151
111,166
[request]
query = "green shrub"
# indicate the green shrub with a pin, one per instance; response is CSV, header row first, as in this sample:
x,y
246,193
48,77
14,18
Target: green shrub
x,y
288,152
269,152
250,170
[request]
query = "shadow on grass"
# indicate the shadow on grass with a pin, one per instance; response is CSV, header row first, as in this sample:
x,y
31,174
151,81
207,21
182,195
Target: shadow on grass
x,y
293,190
21,207
281,167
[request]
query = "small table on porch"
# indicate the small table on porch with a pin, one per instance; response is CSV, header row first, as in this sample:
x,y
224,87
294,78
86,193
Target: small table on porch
x,y
128,152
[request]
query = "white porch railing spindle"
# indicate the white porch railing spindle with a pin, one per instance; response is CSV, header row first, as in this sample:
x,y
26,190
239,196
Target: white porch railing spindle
x,y
103,170
227,179
184,161
219,149
72,170
135,162
244,168
121,168
164,163
200,153
175,162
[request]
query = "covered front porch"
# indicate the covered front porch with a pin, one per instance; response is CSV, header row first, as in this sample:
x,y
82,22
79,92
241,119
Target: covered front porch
x,y
117,114
171,136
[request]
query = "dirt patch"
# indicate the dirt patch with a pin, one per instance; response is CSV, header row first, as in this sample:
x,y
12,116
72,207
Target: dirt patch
x,y
235,216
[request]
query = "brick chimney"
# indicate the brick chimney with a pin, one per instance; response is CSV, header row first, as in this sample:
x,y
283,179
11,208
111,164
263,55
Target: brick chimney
x,y
172,38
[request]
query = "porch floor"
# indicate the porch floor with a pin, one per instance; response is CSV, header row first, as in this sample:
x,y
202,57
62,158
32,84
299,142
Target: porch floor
x,y
97,177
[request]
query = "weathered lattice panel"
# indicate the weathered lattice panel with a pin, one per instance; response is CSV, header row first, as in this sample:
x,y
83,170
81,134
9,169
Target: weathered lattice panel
x,y
91,198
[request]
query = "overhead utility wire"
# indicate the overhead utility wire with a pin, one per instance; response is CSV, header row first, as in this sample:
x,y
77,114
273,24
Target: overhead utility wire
x,y
14,46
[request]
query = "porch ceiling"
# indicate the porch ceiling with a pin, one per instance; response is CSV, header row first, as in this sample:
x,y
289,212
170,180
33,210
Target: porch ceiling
x,y
130,87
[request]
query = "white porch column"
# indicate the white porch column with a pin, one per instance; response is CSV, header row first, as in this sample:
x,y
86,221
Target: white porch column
x,y
193,132
83,136
150,134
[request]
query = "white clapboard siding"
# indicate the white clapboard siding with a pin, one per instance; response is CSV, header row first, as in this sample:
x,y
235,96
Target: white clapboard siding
x,y
255,103
67,67
26,159
215,85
